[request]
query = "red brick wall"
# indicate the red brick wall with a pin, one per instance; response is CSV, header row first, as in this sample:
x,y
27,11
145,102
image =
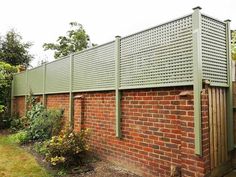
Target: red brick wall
x,y
19,105
157,129
59,101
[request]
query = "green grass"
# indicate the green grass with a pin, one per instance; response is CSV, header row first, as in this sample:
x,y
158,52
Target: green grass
x,y
16,162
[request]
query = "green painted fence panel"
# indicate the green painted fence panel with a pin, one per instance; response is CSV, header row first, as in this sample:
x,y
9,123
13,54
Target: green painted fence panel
x,y
94,69
159,56
58,76
214,56
35,80
20,84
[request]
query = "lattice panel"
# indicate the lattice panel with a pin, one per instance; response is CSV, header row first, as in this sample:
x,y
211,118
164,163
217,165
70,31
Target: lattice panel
x,y
58,76
35,80
160,56
94,69
214,56
20,84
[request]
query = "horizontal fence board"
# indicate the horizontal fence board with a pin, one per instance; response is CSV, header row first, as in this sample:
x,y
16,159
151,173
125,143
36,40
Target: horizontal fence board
x,y
35,80
95,69
58,76
20,84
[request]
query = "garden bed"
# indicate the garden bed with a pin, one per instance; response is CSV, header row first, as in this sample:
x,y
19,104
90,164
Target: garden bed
x,y
91,166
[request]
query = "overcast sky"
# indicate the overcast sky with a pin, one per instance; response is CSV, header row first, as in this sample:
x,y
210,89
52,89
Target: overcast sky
x,y
44,20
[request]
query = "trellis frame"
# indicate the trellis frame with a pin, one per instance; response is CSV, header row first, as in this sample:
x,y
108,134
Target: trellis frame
x,y
105,65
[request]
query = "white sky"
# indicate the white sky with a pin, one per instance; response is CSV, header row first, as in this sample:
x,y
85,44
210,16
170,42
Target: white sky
x,y
44,20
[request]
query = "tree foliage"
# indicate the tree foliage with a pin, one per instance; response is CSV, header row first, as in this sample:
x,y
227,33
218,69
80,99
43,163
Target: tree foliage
x,y
13,50
76,40
233,47
6,74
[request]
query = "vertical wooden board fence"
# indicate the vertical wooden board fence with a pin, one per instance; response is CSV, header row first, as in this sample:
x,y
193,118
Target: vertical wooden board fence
x,y
234,106
218,126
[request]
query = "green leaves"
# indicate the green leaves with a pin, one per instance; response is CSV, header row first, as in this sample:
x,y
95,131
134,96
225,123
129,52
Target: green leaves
x,y
75,40
13,50
66,148
6,74
43,123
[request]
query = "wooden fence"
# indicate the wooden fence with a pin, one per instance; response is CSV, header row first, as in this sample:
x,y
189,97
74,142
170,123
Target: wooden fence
x,y
218,126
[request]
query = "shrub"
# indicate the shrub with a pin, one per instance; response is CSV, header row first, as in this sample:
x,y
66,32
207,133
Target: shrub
x,y
66,148
17,123
21,137
41,147
43,123
6,75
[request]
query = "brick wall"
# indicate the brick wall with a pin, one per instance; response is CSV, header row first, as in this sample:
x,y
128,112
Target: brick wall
x,y
59,101
19,105
157,129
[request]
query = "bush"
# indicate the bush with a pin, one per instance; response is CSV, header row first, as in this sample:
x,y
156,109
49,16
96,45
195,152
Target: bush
x,y
43,124
6,75
17,123
41,147
66,148
21,137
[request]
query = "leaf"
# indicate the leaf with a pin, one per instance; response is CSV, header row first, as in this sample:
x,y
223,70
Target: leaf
x,y
75,40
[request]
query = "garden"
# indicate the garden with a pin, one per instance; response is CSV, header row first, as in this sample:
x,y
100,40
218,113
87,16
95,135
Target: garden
x,y
38,144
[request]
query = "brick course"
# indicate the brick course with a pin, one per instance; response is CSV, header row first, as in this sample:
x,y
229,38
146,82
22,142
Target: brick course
x,y
157,129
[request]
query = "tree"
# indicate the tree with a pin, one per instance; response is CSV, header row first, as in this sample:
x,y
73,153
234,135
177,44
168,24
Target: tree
x,y
75,40
233,46
6,76
13,50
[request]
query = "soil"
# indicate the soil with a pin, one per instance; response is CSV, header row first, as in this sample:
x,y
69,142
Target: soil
x,y
92,167
104,169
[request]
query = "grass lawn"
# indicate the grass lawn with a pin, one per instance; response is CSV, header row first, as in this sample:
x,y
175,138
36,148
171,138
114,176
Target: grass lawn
x,y
16,162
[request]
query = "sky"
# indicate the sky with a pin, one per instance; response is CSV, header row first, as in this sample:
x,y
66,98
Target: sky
x,y
42,21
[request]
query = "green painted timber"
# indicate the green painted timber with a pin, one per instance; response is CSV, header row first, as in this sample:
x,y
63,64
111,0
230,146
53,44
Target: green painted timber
x,y
95,68
117,85
27,90
58,74
197,77
177,53
19,80
161,56
71,105
44,84
35,80
230,90
214,57
12,97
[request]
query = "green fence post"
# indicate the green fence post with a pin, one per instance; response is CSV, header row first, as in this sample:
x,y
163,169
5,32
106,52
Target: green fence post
x,y
197,77
26,89
12,96
230,89
44,84
70,93
117,85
